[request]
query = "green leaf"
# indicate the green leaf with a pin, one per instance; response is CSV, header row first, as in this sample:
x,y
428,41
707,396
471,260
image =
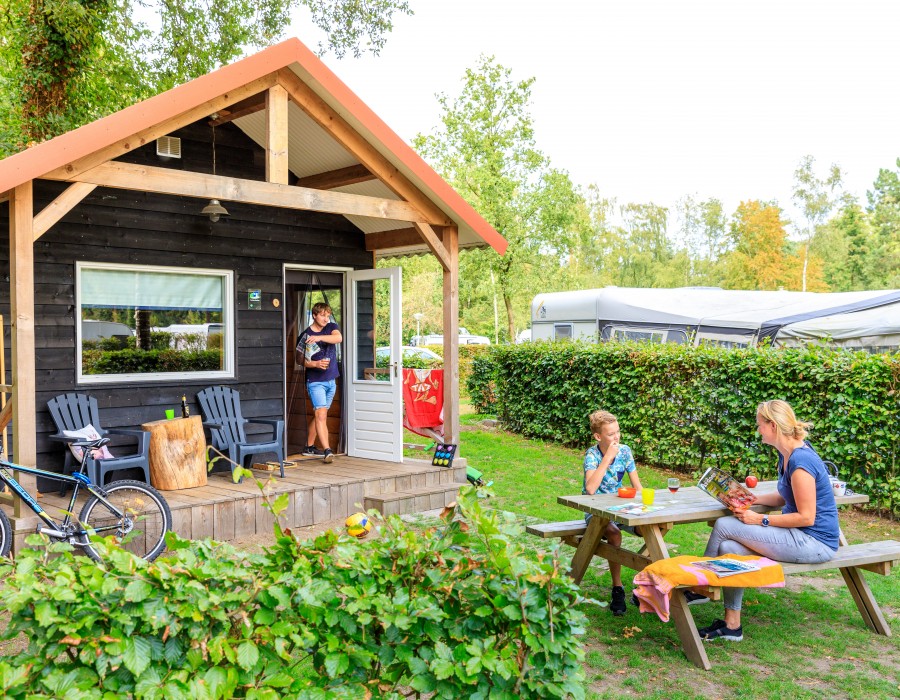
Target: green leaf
x,y
138,590
247,655
136,654
336,664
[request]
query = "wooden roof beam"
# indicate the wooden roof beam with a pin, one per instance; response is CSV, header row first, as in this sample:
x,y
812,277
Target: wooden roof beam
x,y
395,238
251,105
335,125
333,179
144,178
434,243
60,206
150,134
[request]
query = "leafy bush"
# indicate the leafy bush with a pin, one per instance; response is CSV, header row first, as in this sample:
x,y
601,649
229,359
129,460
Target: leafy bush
x,y
141,361
685,407
459,611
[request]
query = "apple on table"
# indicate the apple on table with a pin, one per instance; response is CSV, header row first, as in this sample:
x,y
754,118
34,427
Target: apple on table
x,y
751,481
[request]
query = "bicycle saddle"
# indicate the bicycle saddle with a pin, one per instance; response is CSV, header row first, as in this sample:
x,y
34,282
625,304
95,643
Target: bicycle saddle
x,y
91,444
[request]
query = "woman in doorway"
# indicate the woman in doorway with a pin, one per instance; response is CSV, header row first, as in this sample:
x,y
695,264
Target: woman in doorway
x,y
316,351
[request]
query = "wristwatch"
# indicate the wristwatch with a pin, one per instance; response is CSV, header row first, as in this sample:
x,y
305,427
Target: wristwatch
x,y
765,521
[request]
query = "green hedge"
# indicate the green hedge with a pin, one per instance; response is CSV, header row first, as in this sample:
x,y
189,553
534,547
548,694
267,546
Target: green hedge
x,y
687,408
144,361
455,611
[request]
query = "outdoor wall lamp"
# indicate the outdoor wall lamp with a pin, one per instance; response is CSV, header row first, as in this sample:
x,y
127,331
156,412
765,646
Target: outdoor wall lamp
x,y
214,210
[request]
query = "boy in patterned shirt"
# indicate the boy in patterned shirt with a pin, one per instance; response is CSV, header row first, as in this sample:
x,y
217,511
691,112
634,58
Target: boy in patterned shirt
x,y
604,466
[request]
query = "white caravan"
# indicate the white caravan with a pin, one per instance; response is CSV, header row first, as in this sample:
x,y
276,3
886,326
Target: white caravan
x,y
858,320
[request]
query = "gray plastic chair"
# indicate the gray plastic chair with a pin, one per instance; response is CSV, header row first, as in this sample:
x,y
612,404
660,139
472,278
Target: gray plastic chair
x,y
221,408
73,412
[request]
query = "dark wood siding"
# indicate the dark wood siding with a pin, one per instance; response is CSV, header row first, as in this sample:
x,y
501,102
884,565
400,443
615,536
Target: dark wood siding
x,y
120,226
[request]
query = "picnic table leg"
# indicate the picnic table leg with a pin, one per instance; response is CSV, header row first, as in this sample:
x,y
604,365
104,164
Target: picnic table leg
x,y
862,596
865,601
678,607
585,552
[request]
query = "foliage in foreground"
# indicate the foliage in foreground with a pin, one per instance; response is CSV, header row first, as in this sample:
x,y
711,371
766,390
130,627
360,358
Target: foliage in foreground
x,y
458,611
686,408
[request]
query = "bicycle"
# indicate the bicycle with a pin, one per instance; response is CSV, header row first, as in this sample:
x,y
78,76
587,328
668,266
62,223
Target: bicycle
x,y
135,512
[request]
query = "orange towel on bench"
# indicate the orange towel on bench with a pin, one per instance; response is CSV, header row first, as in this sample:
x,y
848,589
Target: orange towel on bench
x,y
654,585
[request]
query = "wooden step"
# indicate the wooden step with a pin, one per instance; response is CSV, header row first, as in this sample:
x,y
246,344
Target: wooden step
x,y
414,500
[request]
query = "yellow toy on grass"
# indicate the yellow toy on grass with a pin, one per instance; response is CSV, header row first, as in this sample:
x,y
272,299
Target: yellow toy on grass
x,y
358,525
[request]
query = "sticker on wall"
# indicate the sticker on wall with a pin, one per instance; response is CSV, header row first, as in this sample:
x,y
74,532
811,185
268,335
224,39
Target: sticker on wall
x,y
254,299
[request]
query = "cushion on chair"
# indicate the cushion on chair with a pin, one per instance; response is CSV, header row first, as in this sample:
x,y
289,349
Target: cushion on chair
x,y
88,432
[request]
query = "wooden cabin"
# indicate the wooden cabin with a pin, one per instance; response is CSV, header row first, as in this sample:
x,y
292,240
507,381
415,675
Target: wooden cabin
x,y
115,216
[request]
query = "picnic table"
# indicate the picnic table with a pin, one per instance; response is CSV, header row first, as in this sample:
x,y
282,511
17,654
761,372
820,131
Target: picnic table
x,y
692,505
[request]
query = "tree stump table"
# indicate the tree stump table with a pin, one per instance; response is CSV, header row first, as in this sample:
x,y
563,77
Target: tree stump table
x,y
177,453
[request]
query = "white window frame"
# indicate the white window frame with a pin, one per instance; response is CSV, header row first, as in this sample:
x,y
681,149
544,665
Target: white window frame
x,y
570,326
228,325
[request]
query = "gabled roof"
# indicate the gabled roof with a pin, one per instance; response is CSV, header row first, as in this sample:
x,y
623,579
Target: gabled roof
x,y
291,54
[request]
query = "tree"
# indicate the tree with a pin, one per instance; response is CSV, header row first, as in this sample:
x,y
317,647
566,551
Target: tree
x,y
485,148
848,250
884,206
66,62
816,197
758,259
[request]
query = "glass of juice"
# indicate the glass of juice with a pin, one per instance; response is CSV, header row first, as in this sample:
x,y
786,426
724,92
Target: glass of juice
x,y
647,496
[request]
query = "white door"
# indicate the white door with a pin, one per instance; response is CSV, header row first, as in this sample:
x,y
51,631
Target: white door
x,y
374,398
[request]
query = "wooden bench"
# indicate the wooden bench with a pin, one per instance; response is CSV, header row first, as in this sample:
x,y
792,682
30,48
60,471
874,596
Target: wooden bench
x,y
877,557
569,531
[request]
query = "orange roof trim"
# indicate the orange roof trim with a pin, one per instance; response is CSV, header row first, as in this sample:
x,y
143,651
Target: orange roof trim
x,y
35,162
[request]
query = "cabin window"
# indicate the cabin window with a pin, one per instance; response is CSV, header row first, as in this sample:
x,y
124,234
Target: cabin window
x,y
153,323
562,331
647,336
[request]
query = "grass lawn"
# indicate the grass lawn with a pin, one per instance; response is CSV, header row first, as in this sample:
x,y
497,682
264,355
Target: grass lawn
x,y
807,640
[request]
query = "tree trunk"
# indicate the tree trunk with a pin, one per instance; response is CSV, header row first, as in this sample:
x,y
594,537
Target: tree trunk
x,y
142,329
805,264
510,317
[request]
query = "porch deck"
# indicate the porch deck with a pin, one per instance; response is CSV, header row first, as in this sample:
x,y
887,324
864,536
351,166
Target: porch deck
x,y
318,493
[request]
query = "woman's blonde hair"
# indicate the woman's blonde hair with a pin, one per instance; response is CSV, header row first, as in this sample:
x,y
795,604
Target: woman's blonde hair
x,y
783,416
600,418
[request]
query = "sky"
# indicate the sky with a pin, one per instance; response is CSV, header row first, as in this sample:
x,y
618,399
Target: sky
x,y
652,100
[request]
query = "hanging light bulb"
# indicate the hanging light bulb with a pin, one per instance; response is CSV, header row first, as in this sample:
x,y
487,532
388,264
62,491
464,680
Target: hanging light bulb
x,y
214,210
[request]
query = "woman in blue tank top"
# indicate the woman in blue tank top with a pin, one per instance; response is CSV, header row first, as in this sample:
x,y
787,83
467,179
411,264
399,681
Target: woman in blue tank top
x,y
806,531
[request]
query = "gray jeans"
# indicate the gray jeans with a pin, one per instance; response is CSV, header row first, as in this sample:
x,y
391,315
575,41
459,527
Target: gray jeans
x,y
731,536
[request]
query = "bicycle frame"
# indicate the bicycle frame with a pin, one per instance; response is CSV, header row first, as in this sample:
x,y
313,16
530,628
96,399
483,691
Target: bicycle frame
x,y
77,480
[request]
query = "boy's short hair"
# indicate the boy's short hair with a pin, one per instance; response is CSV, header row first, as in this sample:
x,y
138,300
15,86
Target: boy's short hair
x,y
319,308
600,418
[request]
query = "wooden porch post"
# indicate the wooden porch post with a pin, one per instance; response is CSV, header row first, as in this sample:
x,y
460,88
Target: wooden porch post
x,y
277,135
451,335
21,296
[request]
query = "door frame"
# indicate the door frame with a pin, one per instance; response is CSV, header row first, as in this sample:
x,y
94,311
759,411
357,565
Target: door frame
x,y
345,291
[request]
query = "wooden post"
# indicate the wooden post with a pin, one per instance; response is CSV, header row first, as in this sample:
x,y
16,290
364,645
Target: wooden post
x,y
451,336
277,135
21,295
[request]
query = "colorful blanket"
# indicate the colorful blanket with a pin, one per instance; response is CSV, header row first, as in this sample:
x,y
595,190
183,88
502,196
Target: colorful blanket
x,y
654,585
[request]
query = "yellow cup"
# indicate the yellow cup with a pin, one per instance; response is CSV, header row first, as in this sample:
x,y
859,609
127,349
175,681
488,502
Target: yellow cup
x,y
647,496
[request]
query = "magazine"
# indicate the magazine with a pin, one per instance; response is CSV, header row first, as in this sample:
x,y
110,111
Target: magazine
x,y
726,489
311,349
726,567
634,509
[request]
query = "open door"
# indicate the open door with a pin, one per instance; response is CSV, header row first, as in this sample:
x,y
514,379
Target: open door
x,y
374,380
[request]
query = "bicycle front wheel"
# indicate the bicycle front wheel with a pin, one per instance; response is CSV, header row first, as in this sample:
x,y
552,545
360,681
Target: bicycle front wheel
x,y
142,527
5,534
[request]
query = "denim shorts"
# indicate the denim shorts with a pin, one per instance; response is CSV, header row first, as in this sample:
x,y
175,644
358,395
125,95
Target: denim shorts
x,y
321,393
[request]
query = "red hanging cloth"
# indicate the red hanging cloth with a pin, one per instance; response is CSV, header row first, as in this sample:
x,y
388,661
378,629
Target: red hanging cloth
x,y
423,398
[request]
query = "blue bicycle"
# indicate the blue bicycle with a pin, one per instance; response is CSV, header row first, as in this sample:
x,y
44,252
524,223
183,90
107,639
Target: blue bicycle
x,y
133,512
